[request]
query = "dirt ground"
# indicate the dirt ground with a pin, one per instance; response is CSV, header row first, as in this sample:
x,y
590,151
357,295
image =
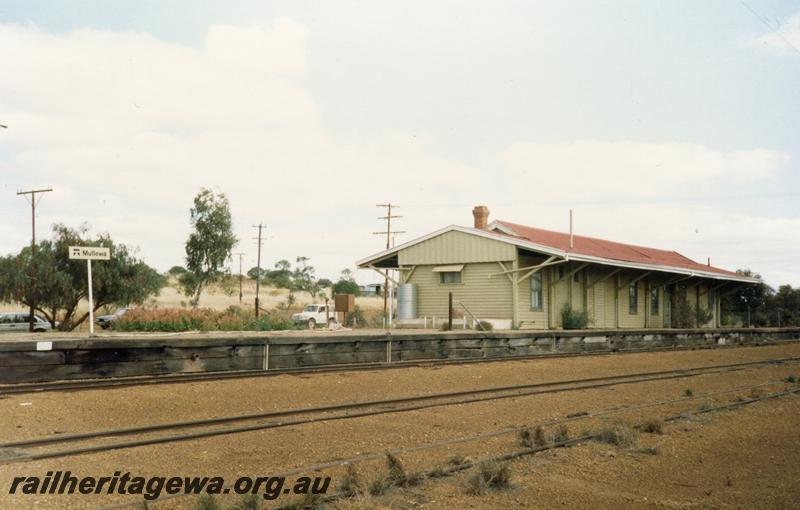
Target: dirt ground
x,y
746,458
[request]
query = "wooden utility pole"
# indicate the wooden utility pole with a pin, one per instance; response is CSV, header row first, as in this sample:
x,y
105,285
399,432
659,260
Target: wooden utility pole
x,y
30,196
388,233
240,276
260,226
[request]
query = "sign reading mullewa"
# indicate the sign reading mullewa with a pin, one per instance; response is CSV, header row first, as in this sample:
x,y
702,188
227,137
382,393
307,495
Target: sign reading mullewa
x,y
89,253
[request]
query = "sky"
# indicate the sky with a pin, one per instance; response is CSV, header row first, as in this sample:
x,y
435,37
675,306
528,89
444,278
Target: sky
x,y
665,124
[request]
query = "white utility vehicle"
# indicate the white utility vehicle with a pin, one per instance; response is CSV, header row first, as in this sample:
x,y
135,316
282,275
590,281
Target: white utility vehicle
x,y
316,314
19,321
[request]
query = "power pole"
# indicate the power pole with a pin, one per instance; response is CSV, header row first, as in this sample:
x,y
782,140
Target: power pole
x,y
240,276
388,233
30,196
260,226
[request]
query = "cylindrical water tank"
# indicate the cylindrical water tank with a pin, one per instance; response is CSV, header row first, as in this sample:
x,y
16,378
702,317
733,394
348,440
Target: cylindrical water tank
x,y
407,301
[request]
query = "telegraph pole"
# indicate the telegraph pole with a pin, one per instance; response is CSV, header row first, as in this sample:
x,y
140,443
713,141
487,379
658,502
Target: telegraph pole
x,y
388,233
240,276
260,226
30,196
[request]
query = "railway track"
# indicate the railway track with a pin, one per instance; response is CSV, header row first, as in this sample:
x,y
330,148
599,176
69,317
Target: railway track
x,y
65,445
439,472
120,382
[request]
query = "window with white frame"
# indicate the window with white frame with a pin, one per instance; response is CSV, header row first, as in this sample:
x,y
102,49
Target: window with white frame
x,y
450,277
536,291
633,298
654,301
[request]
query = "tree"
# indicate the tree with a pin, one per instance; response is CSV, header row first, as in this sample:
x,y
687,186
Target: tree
x,y
304,276
281,276
346,287
346,284
324,283
255,272
209,245
59,284
786,306
750,304
176,271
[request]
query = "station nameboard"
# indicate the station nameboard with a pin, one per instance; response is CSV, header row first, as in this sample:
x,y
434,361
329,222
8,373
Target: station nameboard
x,y
89,253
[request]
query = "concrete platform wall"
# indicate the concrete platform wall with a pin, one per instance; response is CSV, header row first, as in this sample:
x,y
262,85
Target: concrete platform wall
x,y
25,360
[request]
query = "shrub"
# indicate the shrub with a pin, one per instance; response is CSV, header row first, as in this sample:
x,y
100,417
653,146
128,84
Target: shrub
x,y
398,475
207,502
558,435
484,326
688,392
489,475
573,319
351,483
652,426
616,434
307,502
356,318
702,316
248,502
681,314
198,319
458,460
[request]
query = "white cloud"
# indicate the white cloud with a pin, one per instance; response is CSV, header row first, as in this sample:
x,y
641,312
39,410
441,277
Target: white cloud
x,y
784,38
127,128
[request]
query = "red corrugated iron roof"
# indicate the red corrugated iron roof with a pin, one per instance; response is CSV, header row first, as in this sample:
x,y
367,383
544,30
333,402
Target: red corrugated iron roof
x,y
592,247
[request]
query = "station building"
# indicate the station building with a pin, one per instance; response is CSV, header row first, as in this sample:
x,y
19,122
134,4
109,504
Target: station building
x,y
514,275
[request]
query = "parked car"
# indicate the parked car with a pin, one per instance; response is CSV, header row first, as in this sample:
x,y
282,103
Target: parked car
x,y
105,321
316,314
18,321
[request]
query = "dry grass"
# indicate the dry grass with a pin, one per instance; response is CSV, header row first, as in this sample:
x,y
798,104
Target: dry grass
x,y
458,460
533,438
249,502
351,483
558,435
617,434
306,502
648,450
651,426
207,502
398,475
361,502
488,476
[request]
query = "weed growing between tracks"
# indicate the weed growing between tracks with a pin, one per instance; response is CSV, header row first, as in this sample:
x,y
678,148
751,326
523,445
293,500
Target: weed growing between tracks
x,y
351,483
488,476
651,426
617,434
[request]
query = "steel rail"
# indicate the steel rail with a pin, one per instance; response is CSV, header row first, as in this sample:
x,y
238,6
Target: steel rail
x,y
484,435
63,438
540,388
127,381
560,444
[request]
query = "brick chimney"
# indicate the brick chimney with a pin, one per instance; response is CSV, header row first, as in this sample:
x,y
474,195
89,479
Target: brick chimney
x,y
481,215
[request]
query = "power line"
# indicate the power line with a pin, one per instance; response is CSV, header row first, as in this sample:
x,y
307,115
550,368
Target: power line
x,y
766,23
30,196
260,226
240,275
388,233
